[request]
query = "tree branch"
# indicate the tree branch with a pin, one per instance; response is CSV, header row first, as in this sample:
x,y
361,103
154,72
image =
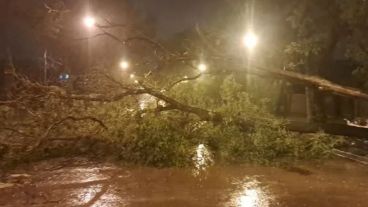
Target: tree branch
x,y
183,80
320,83
201,113
44,137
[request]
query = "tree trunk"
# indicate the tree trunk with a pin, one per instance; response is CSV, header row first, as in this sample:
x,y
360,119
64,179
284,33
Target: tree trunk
x,y
314,81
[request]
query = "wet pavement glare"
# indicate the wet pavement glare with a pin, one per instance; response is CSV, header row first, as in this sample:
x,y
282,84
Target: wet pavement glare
x,y
82,182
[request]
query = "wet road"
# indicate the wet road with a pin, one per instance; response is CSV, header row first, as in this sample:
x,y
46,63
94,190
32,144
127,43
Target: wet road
x,y
81,182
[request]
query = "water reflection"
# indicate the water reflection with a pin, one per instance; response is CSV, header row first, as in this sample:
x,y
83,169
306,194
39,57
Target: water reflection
x,y
249,199
86,195
202,159
252,195
90,186
83,183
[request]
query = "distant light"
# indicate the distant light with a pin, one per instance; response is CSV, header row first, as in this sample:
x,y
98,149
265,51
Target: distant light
x,y
136,81
64,77
250,40
124,65
132,76
89,21
202,67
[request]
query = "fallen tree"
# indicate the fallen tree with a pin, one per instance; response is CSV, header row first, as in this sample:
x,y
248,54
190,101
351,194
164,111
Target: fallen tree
x,y
178,114
163,132
317,82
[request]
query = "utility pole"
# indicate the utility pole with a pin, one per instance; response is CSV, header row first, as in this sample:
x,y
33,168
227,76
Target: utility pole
x,y
45,67
309,95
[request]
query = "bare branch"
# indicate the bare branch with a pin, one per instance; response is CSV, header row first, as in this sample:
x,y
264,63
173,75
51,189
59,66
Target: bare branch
x,y
127,40
206,41
15,131
49,9
157,109
201,113
44,137
183,80
87,118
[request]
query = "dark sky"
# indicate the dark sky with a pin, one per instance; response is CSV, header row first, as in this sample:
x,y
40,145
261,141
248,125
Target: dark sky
x,y
168,16
173,16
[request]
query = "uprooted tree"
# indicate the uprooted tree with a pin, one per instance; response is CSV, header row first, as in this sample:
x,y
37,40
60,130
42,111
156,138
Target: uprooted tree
x,y
157,115
156,121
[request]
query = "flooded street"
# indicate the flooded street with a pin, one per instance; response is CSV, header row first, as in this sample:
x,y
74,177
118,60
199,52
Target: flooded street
x,y
81,182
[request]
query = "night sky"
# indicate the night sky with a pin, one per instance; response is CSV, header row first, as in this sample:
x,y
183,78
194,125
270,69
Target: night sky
x,y
173,16
167,16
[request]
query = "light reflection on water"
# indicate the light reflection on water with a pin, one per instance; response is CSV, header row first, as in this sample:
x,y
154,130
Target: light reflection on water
x,y
92,187
202,159
252,195
100,185
96,196
249,193
86,195
250,198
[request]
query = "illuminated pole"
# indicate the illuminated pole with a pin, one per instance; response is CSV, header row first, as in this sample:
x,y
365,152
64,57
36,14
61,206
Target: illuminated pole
x,y
250,42
124,65
45,68
202,67
89,22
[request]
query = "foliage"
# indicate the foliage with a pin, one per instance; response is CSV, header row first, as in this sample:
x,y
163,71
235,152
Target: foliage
x,y
139,132
267,142
158,141
324,29
248,133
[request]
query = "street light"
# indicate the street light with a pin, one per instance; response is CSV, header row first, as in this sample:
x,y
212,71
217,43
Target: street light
x,y
250,40
202,67
124,65
89,21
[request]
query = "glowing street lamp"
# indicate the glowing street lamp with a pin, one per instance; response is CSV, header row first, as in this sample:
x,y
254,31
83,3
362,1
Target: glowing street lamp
x,y
124,65
89,21
250,40
202,67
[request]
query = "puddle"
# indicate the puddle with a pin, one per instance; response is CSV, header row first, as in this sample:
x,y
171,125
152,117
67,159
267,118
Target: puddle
x,y
335,183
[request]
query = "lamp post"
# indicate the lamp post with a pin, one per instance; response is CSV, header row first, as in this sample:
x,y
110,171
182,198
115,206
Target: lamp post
x,y
202,67
124,65
250,40
89,22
